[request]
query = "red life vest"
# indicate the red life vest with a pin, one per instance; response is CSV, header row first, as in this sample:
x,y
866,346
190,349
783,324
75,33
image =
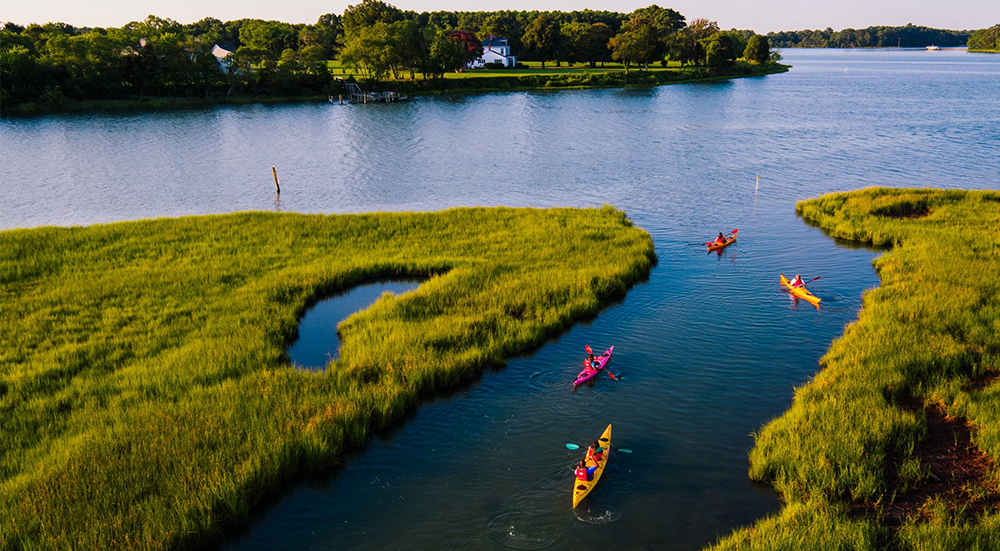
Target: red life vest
x,y
581,474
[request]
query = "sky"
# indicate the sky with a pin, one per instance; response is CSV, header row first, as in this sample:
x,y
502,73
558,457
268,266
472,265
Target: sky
x,y
760,15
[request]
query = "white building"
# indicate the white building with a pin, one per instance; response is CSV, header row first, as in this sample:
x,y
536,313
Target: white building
x,y
495,50
223,56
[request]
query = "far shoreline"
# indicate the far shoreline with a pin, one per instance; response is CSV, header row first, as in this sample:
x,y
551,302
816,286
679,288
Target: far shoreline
x,y
151,104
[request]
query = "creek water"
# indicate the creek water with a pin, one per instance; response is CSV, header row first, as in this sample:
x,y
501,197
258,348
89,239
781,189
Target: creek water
x,y
318,342
708,349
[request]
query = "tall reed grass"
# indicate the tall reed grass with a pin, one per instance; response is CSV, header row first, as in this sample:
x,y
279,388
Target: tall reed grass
x,y
146,401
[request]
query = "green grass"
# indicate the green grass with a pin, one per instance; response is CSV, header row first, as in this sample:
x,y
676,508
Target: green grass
x,y
145,398
932,324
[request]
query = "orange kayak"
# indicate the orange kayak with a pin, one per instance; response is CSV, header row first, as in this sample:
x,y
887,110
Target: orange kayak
x,y
716,246
800,292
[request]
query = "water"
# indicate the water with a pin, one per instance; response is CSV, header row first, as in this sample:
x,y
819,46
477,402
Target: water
x,y
318,341
708,348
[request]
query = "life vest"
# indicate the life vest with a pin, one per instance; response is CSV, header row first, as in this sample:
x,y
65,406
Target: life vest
x,y
720,239
581,474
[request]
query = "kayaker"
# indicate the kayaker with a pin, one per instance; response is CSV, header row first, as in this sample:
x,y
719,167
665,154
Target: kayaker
x,y
589,362
583,472
720,239
595,452
797,282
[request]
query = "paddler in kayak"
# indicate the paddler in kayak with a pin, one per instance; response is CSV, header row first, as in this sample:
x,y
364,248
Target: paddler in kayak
x,y
583,472
797,282
720,239
595,452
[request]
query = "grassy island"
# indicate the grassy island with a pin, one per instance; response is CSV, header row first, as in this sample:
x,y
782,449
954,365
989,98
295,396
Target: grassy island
x,y
893,445
146,401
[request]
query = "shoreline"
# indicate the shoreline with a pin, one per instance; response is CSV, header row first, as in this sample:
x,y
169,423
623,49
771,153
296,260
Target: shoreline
x,y
197,369
894,441
551,83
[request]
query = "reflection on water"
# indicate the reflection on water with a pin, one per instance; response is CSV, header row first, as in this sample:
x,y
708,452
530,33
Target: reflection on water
x,y
709,348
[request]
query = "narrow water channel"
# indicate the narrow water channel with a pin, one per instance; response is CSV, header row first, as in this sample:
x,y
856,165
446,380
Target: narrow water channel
x,y
318,341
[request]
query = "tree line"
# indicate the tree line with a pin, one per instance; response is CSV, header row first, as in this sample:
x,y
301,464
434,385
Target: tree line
x,y
158,57
986,39
909,36
381,40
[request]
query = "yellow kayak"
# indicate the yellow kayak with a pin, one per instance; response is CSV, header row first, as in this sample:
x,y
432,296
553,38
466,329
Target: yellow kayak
x,y
583,487
800,292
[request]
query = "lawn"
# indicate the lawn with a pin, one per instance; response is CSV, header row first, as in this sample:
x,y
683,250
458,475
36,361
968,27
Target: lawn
x,y
850,457
146,401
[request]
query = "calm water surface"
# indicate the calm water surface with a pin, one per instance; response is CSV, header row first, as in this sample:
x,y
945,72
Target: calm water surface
x,y
708,348
318,342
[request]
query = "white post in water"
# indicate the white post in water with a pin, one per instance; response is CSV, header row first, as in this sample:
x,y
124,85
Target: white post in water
x,y
277,188
756,187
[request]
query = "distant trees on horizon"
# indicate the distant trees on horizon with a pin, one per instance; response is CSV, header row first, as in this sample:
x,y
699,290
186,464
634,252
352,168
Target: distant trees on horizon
x,y
907,36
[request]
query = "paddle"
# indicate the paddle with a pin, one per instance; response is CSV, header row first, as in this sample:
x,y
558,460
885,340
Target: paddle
x,y
810,281
572,446
730,233
613,377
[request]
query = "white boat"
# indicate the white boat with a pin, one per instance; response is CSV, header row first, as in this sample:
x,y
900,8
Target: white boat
x,y
933,48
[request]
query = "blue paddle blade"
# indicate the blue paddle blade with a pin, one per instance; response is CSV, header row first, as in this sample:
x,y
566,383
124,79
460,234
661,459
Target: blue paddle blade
x,y
624,450
572,447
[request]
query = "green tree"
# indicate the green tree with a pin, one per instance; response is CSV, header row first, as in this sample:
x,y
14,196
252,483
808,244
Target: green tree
x,y
985,39
367,13
639,42
587,42
544,36
445,55
686,44
758,49
720,49
665,20
273,36
326,34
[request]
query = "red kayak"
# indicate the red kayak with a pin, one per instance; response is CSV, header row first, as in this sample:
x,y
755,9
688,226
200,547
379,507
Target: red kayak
x,y
599,364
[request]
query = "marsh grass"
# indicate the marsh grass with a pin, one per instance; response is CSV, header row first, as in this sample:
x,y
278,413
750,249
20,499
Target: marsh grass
x,y
930,327
145,398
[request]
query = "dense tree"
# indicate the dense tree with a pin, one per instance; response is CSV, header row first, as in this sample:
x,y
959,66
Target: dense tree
x,y
472,47
636,45
544,36
273,36
367,14
758,49
587,42
986,39
687,45
445,55
908,36
720,49
326,34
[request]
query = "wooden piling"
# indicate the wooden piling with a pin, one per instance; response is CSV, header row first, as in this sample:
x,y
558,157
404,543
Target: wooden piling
x,y
340,99
277,188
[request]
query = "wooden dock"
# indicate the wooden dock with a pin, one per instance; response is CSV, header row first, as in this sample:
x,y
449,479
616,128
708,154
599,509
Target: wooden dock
x,y
356,95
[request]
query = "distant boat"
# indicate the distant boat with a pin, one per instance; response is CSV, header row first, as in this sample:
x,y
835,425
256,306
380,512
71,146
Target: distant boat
x,y
933,48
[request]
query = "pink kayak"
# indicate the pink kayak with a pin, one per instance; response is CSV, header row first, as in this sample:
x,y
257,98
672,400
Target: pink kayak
x,y
600,363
